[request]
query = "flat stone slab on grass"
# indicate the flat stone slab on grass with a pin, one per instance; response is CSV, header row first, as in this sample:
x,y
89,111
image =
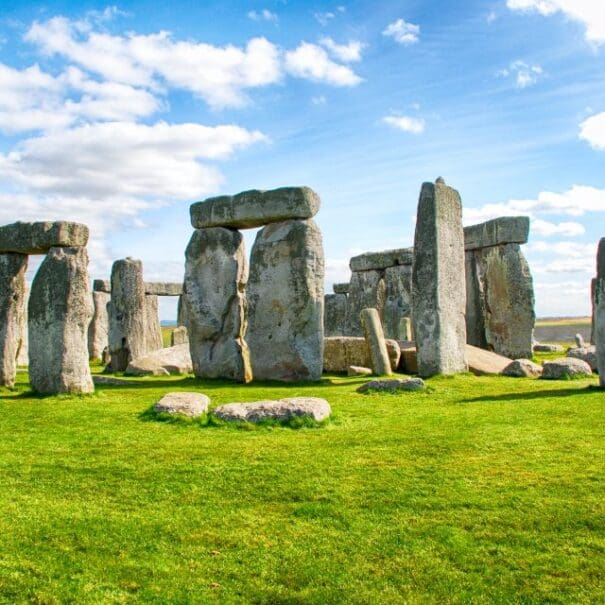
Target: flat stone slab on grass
x,y
39,238
280,410
547,348
171,360
358,371
565,367
186,404
340,352
586,353
393,386
522,368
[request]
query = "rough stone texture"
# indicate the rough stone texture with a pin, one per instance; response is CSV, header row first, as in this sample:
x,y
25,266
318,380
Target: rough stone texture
x,y
171,360
397,308
367,291
283,409
503,230
358,371
601,259
340,352
60,309
547,348
185,404
500,300
39,238
382,260
214,304
579,341
23,354
98,329
163,288
439,298
408,361
335,314
393,386
600,328
101,285
179,336
341,288
586,353
286,302
565,367
255,208
522,368
12,313
127,314
375,341
153,330
181,308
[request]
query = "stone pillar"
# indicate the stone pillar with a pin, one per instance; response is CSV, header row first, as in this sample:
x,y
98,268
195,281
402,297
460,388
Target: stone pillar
x,y
179,336
335,314
98,330
600,328
286,302
60,310
214,304
12,313
438,286
374,335
127,314
397,301
153,330
23,354
593,285
366,291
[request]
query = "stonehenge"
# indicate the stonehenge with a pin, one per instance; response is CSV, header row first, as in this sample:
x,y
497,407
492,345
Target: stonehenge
x,y
593,287
374,335
98,329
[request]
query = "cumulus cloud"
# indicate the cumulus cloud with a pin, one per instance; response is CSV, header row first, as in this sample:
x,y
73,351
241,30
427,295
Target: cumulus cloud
x,y
565,229
263,15
405,123
402,32
593,130
524,74
347,53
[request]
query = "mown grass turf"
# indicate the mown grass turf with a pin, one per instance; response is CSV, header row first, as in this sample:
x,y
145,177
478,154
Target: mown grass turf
x,y
485,490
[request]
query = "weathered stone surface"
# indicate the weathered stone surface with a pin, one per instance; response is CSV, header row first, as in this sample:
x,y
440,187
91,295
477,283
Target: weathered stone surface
x,y
127,312
255,208
39,238
280,410
185,404
370,261
179,336
23,354
439,298
565,367
12,313
587,353
500,300
181,319
408,361
286,300
367,291
153,330
522,368
375,342
579,341
600,328
340,352
601,259
170,360
163,288
101,285
503,230
397,308
393,386
547,348
358,371
335,314
214,304
98,329
340,288
60,310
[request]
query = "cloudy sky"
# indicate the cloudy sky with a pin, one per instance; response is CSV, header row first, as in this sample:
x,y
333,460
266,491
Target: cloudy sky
x,y
121,116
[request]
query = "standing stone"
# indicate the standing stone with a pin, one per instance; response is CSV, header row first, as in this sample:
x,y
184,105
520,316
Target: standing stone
x,y
98,330
127,314
286,300
593,286
335,314
367,290
60,310
438,287
153,330
179,336
600,328
23,354
214,304
397,302
12,301
374,336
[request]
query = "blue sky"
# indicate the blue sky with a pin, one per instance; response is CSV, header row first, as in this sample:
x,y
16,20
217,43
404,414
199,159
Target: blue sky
x,y
121,116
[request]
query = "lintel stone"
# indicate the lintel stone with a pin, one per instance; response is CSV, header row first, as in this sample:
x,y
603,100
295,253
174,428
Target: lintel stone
x,y
164,288
341,288
382,260
101,285
39,238
503,230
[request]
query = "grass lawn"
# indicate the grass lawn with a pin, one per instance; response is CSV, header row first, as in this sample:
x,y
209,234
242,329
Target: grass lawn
x,y
483,490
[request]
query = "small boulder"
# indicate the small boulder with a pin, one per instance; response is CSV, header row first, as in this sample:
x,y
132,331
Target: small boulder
x,y
358,371
586,353
522,368
171,360
547,348
565,367
580,341
186,404
283,409
393,386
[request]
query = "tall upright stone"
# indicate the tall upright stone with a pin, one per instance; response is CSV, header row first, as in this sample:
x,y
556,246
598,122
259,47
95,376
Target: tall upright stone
x,y
127,314
600,328
397,301
286,302
23,354
335,314
438,286
153,329
60,310
12,301
98,329
214,304
593,286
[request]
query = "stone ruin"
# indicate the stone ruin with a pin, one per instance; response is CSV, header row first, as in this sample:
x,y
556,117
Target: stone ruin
x,y
59,308
598,311
593,287
267,322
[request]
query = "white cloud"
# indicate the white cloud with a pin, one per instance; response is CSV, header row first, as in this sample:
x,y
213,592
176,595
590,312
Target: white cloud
x,y
347,53
565,229
312,62
263,15
405,123
593,130
324,18
402,32
525,75
590,13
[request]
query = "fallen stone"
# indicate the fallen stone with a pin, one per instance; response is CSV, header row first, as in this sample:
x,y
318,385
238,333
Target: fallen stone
x,y
171,360
341,288
587,353
179,336
372,261
358,371
565,367
503,230
547,348
39,238
163,288
101,285
255,208
375,342
522,368
98,329
393,386
340,352
335,314
367,291
111,381
185,404
283,409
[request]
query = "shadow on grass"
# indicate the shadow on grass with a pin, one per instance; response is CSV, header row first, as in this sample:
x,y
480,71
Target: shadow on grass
x,y
560,393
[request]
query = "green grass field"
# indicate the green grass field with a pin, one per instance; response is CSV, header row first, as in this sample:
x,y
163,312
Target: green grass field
x,y
482,490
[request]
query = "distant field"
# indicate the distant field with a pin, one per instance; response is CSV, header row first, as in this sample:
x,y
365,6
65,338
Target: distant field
x,y
563,321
